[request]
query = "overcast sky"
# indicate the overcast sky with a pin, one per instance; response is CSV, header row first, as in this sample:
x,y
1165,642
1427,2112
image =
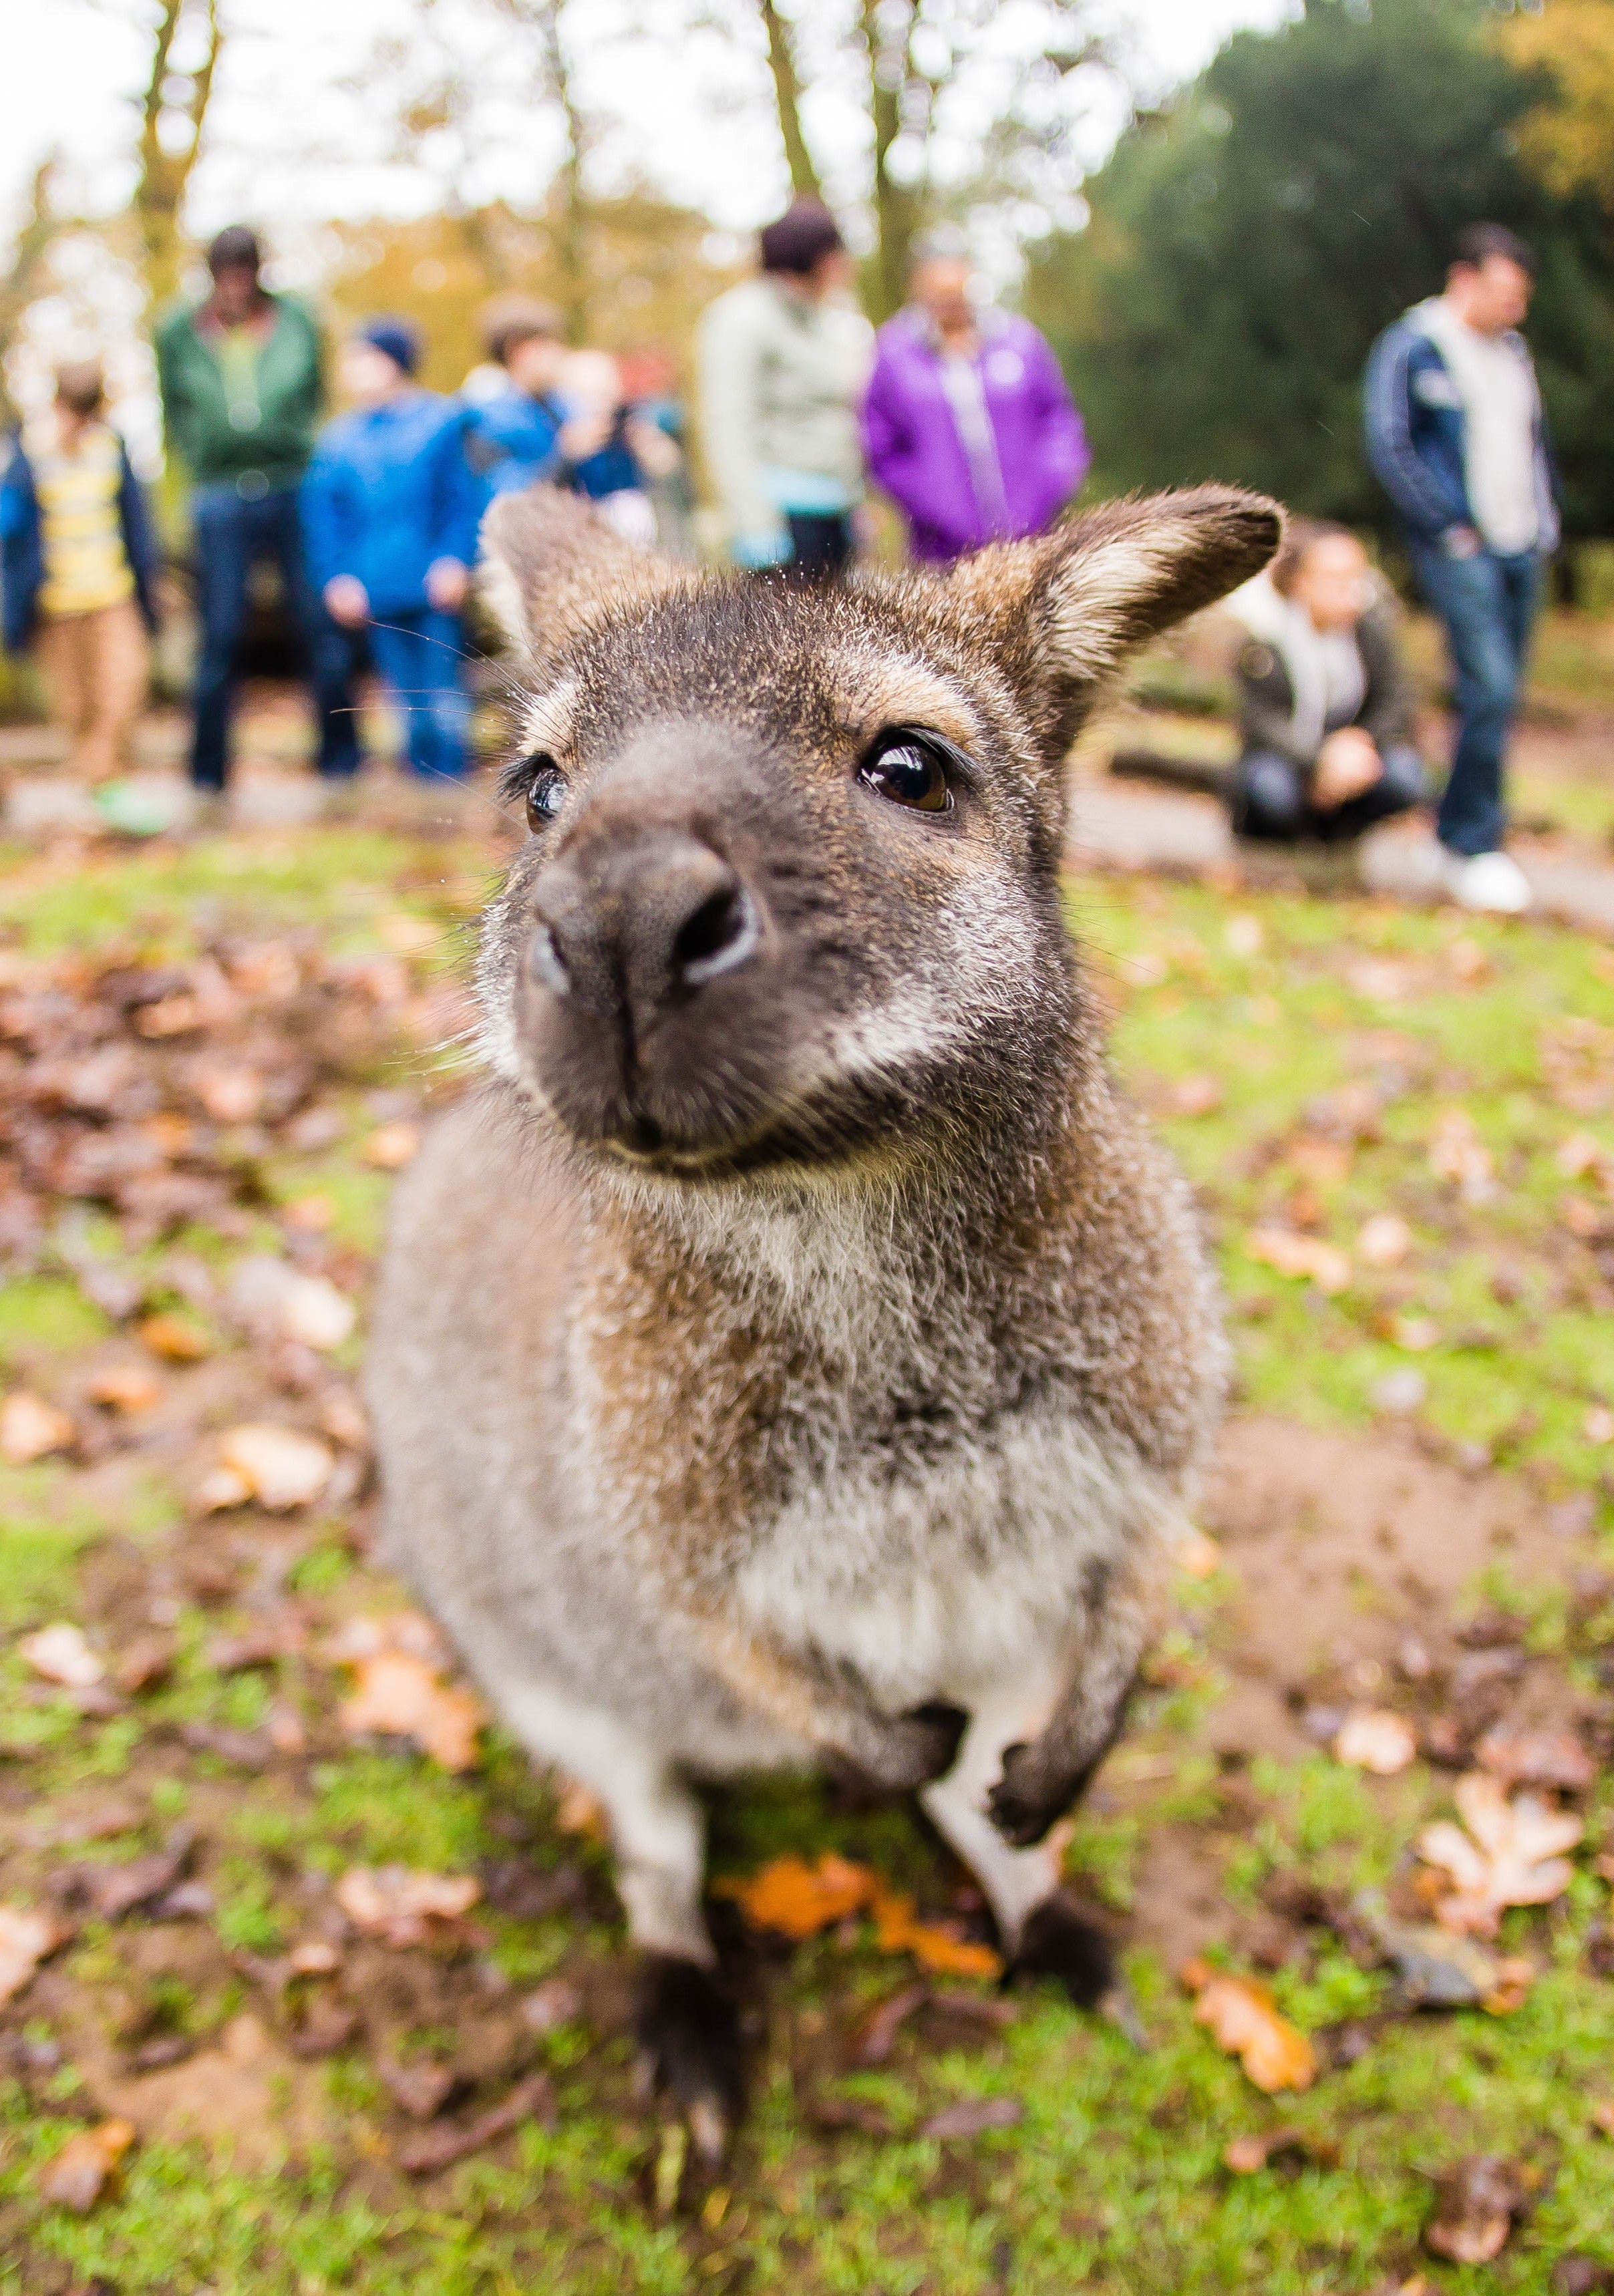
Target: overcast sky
x,y
291,139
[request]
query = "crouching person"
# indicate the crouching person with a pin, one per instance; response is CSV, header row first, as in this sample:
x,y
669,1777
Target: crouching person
x,y
80,561
1325,707
390,506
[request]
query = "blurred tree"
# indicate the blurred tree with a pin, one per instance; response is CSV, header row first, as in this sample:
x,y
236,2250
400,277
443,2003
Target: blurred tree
x,y
23,277
652,273
787,97
1247,244
1567,140
186,37
965,103
541,19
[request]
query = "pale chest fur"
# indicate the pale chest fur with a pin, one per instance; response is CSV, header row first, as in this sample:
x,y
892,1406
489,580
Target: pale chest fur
x,y
868,1470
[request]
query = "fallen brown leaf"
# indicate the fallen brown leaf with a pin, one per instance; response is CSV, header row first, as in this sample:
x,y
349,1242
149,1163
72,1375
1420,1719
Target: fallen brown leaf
x,y
972,2116
873,2042
398,1904
1247,2155
128,1387
310,1215
60,1654
26,1937
1194,1095
1555,1759
325,2026
277,1301
281,1467
31,1428
1602,2116
1477,2203
1383,1241
1457,1153
422,2087
397,1695
1245,2021
113,1891
436,2149
229,1096
1374,1738
1510,1855
78,2176
555,2003
1198,1555
174,1338
391,1146
1292,1254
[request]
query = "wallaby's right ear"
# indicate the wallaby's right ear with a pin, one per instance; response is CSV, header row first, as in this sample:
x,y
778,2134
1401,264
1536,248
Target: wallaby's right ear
x,y
1065,610
550,567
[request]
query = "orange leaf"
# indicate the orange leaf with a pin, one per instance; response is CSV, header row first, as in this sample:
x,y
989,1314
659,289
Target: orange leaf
x,y
1245,2021
26,1939
895,1931
797,1899
76,2177
403,1697
32,1429
174,1340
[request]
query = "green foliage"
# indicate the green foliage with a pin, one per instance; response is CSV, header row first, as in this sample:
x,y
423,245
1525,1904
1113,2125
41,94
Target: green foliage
x,y
1248,244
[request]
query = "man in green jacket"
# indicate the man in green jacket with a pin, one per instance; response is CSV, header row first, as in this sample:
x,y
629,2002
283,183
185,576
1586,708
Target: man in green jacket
x,y
243,383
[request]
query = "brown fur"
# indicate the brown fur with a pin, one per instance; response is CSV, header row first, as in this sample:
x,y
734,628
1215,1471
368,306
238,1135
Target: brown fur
x,y
803,1331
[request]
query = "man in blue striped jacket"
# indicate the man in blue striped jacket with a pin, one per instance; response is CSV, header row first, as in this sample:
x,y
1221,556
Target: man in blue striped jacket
x,y
1456,436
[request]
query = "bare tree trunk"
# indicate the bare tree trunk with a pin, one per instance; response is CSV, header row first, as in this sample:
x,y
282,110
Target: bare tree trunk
x,y
164,175
571,231
896,209
20,279
787,94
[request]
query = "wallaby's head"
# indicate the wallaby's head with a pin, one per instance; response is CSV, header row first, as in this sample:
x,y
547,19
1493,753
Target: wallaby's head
x,y
791,893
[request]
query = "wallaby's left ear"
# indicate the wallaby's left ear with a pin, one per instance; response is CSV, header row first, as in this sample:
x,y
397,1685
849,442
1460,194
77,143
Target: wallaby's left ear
x,y
1068,607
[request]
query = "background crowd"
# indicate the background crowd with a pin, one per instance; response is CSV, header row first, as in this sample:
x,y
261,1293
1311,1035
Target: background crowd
x,y
955,411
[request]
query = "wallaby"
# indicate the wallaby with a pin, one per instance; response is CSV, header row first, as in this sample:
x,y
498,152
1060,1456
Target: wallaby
x,y
799,1352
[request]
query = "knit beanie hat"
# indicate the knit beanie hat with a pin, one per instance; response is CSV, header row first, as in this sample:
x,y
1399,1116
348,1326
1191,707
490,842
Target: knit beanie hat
x,y
397,339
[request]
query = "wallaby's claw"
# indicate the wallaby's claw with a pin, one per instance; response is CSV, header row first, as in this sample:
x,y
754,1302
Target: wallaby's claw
x,y
1023,1805
1058,1940
689,2038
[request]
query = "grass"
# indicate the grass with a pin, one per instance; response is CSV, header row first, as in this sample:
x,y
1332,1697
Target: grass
x,y
1114,2181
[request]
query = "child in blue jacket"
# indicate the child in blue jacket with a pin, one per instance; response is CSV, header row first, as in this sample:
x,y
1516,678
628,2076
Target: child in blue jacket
x,y
390,506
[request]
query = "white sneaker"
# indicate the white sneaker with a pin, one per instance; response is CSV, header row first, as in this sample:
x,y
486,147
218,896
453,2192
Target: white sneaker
x,y
1488,880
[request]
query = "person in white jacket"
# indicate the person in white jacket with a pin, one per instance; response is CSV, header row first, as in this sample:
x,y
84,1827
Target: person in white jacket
x,y
782,361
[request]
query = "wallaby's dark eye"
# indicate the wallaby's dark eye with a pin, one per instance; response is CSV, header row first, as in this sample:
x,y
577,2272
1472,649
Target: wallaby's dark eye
x,y
909,771
546,793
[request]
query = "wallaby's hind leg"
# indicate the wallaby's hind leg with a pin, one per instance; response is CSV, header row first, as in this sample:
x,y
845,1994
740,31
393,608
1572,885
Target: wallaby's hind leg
x,y
1043,1932
688,2026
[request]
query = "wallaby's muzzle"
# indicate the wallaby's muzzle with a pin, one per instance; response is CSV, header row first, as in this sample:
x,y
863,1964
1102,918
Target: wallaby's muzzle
x,y
647,1001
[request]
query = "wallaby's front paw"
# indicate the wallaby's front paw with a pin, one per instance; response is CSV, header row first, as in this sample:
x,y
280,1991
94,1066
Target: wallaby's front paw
x,y
689,2034
920,1746
1027,1801
1060,1942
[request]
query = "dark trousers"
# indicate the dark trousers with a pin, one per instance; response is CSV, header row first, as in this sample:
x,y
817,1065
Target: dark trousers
x,y
233,534
1488,604
422,656
1271,798
821,547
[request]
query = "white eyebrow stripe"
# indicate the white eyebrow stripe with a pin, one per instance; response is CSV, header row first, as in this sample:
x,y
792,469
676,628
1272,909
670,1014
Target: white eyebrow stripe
x,y
904,691
546,718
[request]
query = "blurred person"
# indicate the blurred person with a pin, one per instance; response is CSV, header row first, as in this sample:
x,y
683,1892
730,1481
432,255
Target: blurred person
x,y
650,383
79,560
241,375
782,358
390,506
1325,705
608,450
517,435
1457,436
967,424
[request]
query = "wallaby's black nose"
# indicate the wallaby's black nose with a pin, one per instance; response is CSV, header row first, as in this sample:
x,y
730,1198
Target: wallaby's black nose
x,y
648,924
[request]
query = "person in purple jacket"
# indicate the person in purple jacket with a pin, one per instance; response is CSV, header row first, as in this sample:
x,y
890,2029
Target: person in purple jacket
x,y
967,424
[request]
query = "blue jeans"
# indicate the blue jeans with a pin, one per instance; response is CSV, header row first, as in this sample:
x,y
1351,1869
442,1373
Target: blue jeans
x,y
1271,798
1488,605
233,534
421,657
